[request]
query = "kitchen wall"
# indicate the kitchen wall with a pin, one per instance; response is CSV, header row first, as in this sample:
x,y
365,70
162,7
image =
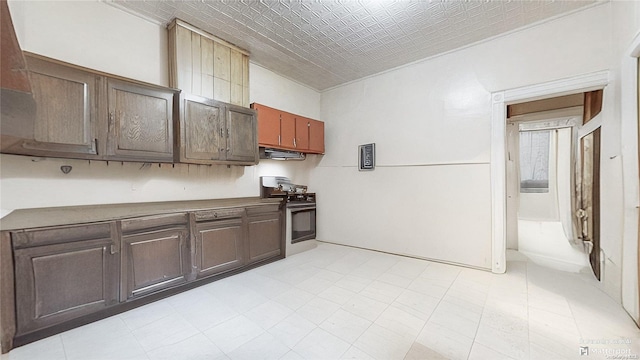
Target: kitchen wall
x,y
430,194
99,36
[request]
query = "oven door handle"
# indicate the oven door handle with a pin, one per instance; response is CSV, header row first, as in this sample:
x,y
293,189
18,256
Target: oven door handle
x,y
297,208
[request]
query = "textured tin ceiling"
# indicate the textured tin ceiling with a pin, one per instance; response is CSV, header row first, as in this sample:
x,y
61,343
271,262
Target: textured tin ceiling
x,y
325,43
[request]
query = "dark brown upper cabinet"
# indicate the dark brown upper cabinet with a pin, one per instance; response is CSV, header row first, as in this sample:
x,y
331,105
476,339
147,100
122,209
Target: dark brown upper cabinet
x,y
85,114
140,122
282,130
66,113
213,132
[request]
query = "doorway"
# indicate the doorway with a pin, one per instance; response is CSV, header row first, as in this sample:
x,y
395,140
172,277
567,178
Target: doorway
x,y
542,174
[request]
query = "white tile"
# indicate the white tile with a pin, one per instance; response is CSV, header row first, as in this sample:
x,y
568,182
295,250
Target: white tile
x,y
294,298
50,348
355,353
205,312
382,291
337,294
266,286
365,307
400,322
292,355
441,272
395,280
265,346
315,285
197,347
292,329
268,314
232,333
105,339
320,344
353,283
481,352
239,298
416,304
168,330
508,338
409,268
147,314
318,310
422,352
381,343
455,317
345,325
375,267
432,287
446,342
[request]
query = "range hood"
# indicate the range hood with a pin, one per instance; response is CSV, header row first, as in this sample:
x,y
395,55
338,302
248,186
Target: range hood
x,y
276,154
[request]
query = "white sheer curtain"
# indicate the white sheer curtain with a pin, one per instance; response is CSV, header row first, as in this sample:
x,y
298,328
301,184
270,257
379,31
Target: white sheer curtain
x,y
534,161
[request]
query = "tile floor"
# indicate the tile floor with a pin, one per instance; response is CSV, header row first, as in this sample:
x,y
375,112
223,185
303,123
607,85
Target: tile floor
x,y
337,302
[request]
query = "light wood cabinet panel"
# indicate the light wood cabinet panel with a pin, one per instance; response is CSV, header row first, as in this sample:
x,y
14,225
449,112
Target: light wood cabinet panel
x,y
140,122
156,259
203,65
69,275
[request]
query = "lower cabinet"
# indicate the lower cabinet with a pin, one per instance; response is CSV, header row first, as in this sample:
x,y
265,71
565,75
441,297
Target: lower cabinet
x,y
63,273
265,233
219,246
155,255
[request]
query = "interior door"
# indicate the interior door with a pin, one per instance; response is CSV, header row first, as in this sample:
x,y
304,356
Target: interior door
x,y
588,211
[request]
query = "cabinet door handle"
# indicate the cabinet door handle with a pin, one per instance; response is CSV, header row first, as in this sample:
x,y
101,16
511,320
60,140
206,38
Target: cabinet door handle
x,y
221,133
113,250
279,142
294,143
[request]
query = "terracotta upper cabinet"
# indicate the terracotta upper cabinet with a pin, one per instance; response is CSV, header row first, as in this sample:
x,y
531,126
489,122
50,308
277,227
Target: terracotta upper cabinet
x,y
268,125
203,65
65,123
282,130
140,122
302,133
316,136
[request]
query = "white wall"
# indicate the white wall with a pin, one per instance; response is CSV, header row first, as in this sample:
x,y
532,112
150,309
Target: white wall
x,y
431,125
99,36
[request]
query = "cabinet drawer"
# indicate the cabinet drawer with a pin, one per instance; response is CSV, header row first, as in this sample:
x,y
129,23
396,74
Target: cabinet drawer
x,y
215,214
154,222
263,209
60,234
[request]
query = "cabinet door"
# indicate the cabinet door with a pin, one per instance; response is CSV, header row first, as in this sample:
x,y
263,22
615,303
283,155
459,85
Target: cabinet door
x,y
140,122
242,144
153,261
201,131
218,246
65,100
74,273
268,125
316,136
265,236
302,133
287,130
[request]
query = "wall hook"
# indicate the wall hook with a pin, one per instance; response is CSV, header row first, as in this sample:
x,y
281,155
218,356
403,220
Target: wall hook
x,y
66,168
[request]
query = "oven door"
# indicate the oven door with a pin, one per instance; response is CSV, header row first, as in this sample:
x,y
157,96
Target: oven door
x,y
303,222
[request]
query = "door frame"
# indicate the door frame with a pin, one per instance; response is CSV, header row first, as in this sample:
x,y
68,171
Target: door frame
x,y
500,100
630,153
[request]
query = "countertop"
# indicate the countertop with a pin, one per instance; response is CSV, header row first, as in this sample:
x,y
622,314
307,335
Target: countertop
x,y
52,216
